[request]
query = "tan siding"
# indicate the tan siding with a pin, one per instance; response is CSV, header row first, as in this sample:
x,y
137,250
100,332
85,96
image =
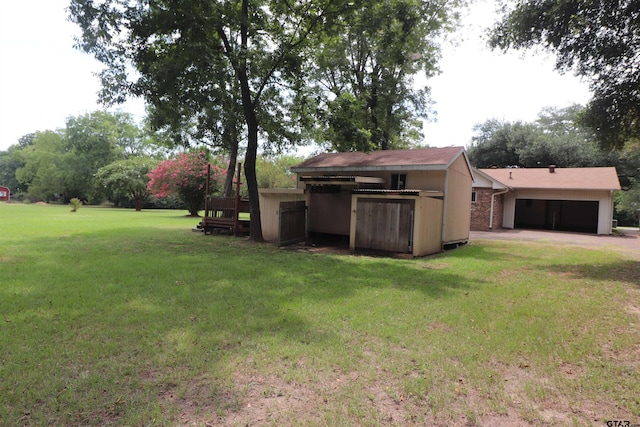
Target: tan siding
x,y
270,209
427,230
426,180
427,234
457,209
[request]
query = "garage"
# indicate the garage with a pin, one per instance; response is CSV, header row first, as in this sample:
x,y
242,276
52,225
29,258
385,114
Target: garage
x,y
556,199
557,215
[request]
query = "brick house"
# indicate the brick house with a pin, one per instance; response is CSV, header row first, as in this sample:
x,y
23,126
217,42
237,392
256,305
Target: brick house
x,y
562,199
487,202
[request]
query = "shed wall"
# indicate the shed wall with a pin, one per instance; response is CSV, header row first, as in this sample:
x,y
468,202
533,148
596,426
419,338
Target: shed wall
x,y
270,209
457,199
416,180
427,233
427,227
330,212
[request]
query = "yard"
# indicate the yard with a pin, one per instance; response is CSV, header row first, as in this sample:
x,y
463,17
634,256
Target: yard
x,y
129,318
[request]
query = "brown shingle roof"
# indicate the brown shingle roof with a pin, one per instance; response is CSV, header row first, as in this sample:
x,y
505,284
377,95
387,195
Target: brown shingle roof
x,y
379,160
562,178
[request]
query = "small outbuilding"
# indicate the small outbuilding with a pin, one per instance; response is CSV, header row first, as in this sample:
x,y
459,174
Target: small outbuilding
x,y
5,194
562,199
410,201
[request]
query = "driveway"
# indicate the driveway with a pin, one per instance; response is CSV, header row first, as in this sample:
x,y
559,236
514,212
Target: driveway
x,y
627,241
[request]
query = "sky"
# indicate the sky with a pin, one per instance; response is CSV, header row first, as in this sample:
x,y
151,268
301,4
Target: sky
x,y
44,80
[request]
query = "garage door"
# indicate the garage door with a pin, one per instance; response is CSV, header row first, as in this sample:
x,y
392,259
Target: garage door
x,y
560,215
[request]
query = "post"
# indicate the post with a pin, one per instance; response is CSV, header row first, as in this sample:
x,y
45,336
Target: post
x,y
236,219
206,191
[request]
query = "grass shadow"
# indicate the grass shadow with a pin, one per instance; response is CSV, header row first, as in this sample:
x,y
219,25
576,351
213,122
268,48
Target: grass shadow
x,y
626,271
91,313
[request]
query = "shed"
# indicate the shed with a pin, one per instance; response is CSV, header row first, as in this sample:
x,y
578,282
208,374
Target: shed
x,y
271,200
5,194
562,199
412,201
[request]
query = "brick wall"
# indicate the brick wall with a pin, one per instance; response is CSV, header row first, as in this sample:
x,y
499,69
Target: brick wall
x,y
481,209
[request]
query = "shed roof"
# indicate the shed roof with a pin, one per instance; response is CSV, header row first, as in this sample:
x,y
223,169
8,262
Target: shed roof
x,y
605,178
415,159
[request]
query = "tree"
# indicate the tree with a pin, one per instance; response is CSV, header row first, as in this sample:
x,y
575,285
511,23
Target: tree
x,y
496,143
628,167
64,162
10,161
366,69
562,139
93,140
185,176
274,172
257,46
43,173
556,137
597,39
130,177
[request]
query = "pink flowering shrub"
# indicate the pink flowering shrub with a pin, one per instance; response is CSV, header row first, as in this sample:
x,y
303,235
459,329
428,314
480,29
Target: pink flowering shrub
x,y
185,176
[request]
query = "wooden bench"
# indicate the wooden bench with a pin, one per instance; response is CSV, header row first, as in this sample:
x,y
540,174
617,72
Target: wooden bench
x,y
224,213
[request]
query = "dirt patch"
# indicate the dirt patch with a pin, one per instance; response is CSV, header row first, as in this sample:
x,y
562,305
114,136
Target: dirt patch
x,y
259,400
532,399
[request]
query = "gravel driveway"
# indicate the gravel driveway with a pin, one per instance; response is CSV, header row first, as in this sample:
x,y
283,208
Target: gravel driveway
x,y
627,243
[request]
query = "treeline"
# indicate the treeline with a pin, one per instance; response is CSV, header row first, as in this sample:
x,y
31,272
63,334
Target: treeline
x,y
106,157
559,137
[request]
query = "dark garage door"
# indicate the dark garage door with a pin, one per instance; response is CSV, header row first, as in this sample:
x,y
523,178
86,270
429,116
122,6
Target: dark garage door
x,y
560,215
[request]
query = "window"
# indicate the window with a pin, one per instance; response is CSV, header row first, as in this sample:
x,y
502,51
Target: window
x,y
398,181
473,197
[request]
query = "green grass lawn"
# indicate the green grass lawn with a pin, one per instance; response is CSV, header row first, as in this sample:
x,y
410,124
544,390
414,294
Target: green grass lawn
x,y
116,317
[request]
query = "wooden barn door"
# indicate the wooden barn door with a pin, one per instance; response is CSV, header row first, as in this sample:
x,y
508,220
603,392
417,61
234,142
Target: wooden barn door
x,y
385,225
293,223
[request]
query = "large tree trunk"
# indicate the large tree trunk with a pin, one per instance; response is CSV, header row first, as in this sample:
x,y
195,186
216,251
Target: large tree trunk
x,y
255,232
233,159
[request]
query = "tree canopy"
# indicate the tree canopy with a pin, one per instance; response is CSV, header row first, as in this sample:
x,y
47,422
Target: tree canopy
x,y
128,177
254,49
557,137
62,163
365,72
217,72
597,39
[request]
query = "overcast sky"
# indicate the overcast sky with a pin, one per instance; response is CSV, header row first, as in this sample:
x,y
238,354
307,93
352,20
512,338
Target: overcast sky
x,y
44,80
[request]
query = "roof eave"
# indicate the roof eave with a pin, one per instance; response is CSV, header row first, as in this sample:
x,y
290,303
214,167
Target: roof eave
x,y
386,168
516,187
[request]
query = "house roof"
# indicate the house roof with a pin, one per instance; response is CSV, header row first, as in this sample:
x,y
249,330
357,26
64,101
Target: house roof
x,y
482,180
605,178
416,159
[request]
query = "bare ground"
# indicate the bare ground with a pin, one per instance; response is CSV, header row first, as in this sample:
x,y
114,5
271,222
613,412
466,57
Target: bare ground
x,y
626,241
255,399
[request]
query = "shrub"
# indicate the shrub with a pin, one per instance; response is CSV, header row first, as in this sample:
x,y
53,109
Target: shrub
x,y
185,176
75,204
